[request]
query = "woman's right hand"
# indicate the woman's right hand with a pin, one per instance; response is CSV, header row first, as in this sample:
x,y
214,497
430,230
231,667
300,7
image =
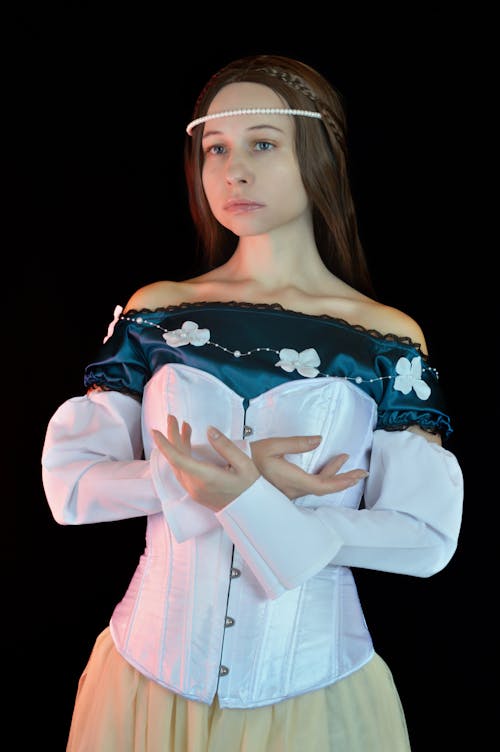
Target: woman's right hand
x,y
268,456
208,483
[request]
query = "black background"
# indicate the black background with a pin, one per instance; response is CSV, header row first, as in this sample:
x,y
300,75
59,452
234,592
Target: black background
x,y
96,104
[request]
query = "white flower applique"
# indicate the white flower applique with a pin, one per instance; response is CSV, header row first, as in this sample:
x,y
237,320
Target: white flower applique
x,y
111,328
305,362
188,334
410,377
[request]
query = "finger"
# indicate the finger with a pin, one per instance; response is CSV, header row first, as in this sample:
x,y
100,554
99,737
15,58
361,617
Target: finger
x,y
341,481
279,445
173,429
164,445
186,436
349,478
176,456
179,438
322,482
227,449
334,464
332,467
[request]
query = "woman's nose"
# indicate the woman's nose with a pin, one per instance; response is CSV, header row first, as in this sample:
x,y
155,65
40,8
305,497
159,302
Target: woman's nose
x,y
237,171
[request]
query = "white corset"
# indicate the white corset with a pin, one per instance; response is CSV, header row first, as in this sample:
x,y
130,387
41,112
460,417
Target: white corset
x,y
257,602
182,594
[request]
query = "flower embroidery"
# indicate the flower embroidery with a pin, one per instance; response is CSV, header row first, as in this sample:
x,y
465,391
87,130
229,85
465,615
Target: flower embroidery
x,y
409,373
116,313
305,362
410,377
188,334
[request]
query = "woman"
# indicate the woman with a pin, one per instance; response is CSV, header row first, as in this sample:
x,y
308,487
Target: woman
x,y
277,425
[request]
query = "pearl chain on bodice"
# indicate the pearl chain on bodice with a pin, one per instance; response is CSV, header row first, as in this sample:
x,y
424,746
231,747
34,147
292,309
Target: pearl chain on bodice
x,y
407,374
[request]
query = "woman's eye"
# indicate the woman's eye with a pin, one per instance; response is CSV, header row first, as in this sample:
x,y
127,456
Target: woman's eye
x,y
215,149
263,146
218,149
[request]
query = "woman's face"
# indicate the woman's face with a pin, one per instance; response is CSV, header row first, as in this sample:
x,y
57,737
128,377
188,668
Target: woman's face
x,y
250,174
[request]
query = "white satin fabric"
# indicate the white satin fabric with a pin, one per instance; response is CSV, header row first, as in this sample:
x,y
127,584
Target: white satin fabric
x,y
297,621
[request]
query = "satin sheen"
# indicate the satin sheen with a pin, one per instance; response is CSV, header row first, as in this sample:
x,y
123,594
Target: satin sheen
x,y
305,639
137,350
309,636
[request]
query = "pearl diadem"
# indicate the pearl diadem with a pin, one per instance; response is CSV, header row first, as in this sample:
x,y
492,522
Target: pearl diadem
x,y
252,111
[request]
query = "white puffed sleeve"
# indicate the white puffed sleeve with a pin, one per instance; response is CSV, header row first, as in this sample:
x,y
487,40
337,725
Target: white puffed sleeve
x,y
410,523
413,499
93,468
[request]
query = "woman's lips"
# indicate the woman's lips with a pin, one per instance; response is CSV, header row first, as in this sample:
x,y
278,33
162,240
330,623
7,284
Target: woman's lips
x,y
237,206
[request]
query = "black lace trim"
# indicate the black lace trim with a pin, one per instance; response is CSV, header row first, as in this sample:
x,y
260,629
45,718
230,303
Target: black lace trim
x,y
278,307
97,387
404,427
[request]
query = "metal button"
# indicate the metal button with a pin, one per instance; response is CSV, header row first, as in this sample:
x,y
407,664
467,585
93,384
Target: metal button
x,y
235,572
247,430
229,621
223,671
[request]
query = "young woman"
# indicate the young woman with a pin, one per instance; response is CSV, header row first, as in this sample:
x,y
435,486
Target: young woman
x,y
277,425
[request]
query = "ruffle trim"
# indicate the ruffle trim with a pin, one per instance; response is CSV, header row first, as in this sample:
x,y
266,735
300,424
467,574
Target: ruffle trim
x,y
401,421
96,386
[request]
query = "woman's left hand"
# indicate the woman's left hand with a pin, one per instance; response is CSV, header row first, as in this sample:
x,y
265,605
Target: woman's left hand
x,y
207,483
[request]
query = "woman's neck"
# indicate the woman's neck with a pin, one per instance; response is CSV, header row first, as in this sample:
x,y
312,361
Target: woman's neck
x,y
269,265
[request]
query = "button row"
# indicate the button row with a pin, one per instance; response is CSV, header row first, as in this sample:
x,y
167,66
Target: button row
x,y
229,621
247,430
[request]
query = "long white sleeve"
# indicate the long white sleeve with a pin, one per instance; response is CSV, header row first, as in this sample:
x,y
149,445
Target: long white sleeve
x,y
413,499
93,471
410,525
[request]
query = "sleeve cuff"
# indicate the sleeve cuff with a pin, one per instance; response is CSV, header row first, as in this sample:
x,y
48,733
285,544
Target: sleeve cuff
x,y
282,544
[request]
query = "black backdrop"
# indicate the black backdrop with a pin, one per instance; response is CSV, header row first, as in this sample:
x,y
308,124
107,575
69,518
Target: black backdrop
x,y
96,207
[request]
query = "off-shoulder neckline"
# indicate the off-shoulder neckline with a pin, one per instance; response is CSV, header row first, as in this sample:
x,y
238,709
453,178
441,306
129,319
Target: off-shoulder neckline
x,y
278,307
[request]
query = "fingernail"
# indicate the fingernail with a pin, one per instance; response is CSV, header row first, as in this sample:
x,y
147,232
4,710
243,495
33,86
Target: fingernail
x,y
314,440
362,474
213,432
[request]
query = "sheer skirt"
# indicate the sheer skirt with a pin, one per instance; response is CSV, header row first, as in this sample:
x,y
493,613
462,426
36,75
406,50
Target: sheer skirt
x,y
117,709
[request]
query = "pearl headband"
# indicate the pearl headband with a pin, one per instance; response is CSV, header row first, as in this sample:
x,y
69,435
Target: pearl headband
x,y
251,111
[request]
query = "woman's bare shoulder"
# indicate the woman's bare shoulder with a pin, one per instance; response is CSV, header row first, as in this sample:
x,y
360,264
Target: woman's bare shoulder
x,y
389,320
157,295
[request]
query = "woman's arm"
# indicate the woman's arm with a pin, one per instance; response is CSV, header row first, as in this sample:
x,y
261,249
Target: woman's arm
x,y
410,523
93,468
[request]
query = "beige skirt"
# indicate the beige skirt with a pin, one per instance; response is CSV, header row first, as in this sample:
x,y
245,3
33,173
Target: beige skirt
x,y
117,709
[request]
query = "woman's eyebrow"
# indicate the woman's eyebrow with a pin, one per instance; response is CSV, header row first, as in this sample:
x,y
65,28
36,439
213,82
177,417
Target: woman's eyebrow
x,y
250,128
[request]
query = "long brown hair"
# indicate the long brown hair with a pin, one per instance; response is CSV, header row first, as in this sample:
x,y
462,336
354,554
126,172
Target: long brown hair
x,y
322,156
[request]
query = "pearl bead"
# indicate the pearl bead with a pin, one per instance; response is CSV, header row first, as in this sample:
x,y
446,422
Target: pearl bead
x,y
183,337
